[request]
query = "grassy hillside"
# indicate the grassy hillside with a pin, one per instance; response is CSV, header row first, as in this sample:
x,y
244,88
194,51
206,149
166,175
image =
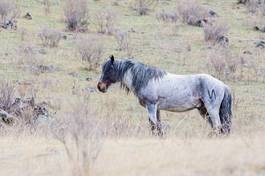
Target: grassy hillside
x,y
176,47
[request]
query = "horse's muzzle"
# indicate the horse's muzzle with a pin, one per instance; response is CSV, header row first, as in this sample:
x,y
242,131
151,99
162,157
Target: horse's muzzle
x,y
102,87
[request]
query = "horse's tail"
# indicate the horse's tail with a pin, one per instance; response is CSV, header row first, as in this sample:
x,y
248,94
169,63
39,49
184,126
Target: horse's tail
x,y
226,112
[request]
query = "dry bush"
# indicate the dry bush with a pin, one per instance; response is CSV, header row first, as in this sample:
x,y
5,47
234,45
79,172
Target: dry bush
x,y
47,6
90,51
124,42
81,134
166,16
76,15
23,34
50,37
7,91
8,10
222,63
143,6
104,21
26,55
20,113
193,13
256,6
216,33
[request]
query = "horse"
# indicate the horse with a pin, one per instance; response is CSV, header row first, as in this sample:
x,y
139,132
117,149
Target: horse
x,y
158,90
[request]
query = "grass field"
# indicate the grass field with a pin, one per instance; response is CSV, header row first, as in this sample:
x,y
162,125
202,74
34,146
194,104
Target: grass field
x,y
127,147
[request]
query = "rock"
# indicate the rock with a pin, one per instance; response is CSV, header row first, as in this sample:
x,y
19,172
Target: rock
x,y
261,29
74,74
212,13
242,1
28,16
260,44
64,37
91,89
42,51
88,79
44,69
247,52
223,40
9,24
6,117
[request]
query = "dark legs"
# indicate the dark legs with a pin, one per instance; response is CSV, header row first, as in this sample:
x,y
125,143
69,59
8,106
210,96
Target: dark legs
x,y
203,112
159,125
213,119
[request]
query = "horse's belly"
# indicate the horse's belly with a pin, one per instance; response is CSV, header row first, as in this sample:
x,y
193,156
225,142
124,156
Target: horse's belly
x,y
178,106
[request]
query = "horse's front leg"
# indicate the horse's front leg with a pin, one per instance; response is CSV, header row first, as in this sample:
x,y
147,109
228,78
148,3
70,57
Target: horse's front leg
x,y
152,114
159,125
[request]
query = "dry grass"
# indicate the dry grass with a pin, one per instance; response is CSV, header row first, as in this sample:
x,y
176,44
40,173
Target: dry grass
x,y
90,52
165,16
108,134
8,10
124,42
216,33
76,15
142,7
105,21
193,13
50,37
223,63
81,135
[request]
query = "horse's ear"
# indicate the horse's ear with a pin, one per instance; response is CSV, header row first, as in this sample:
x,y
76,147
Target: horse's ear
x,y
112,59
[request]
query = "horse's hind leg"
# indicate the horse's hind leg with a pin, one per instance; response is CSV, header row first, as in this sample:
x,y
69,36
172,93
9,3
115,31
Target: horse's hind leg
x,y
205,115
215,119
212,113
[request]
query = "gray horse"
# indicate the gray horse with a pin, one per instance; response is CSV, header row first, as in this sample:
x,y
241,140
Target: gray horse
x,y
159,90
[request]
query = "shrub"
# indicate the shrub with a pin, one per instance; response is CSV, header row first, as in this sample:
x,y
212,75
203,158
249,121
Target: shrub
x,y
81,134
76,15
90,51
167,16
8,10
47,6
7,91
256,6
123,41
143,6
222,63
104,21
193,13
50,37
216,33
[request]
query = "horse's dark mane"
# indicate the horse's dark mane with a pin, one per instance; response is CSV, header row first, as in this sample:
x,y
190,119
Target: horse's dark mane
x,y
141,73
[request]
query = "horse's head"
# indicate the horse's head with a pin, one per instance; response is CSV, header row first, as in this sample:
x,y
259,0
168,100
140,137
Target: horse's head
x,y
108,76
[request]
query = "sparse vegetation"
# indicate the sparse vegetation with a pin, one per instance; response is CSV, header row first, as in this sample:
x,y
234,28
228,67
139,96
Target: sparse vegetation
x,y
143,6
8,10
54,121
124,43
223,63
216,33
50,37
76,15
90,51
104,21
82,138
47,6
165,16
192,13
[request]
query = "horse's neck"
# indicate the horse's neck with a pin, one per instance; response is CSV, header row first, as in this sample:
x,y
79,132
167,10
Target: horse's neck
x,y
127,79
